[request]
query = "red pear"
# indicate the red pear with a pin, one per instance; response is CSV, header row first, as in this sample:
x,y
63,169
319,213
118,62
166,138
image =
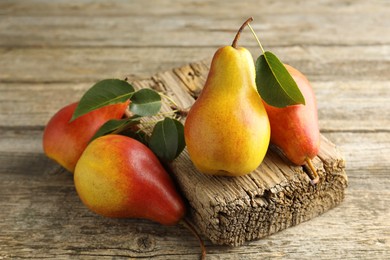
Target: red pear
x,y
294,129
65,141
117,176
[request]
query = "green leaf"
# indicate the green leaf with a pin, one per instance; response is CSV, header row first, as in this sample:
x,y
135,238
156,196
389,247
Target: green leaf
x,y
145,102
115,125
274,84
164,139
103,93
181,143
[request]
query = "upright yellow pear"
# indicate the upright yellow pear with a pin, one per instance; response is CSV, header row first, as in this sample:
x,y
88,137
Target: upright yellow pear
x,y
227,130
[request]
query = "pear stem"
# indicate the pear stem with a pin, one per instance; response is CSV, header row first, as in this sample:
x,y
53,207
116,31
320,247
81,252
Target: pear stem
x,y
257,39
169,98
191,228
234,43
174,106
128,113
316,178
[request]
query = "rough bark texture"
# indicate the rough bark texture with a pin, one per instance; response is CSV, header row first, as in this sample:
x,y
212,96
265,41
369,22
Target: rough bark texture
x,y
274,197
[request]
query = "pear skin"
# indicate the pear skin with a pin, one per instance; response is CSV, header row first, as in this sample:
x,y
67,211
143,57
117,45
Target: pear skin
x,y
64,141
227,131
294,129
117,176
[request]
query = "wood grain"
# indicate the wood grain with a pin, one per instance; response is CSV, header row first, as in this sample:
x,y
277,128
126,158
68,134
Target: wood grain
x,y
172,23
276,196
87,65
52,51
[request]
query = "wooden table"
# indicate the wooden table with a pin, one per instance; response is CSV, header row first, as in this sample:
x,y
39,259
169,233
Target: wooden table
x,y
52,51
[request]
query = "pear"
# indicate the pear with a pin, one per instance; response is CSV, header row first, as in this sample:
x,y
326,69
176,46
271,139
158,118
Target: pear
x,y
117,176
227,130
294,129
64,141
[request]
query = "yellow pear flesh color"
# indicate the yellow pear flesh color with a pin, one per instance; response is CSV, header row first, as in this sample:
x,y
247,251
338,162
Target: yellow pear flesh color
x,y
227,131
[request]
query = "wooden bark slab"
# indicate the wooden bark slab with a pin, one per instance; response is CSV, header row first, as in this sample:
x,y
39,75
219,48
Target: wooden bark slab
x,y
277,195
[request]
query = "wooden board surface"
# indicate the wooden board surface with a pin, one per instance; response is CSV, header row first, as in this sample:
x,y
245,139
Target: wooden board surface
x,y
276,196
52,51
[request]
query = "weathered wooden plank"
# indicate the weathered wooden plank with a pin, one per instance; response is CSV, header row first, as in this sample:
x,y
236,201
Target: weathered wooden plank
x,y
200,7
44,218
85,65
231,211
366,155
189,24
342,105
81,234
351,105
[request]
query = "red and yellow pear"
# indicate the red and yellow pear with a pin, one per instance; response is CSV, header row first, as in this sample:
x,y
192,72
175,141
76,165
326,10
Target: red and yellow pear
x,y
64,141
227,129
294,129
117,176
